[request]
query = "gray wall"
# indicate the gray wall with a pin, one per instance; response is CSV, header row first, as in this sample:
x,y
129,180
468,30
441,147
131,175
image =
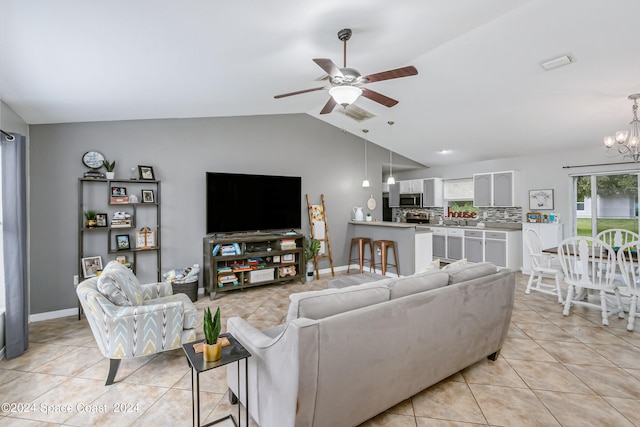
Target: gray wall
x,y
181,151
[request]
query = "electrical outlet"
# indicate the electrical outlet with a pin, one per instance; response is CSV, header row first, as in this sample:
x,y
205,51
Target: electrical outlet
x,y
75,280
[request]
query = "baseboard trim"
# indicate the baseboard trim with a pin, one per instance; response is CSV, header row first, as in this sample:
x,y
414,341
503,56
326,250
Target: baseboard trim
x,y
39,317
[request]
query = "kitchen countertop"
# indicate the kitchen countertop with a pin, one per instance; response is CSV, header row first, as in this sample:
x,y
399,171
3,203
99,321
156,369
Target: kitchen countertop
x,y
426,227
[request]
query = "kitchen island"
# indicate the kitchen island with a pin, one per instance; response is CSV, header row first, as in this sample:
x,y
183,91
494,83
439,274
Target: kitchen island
x,y
413,242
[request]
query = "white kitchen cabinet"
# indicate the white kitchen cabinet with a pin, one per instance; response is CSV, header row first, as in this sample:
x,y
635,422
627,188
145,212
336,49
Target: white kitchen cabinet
x,y
432,194
423,249
474,245
551,235
394,195
495,248
410,186
439,243
455,239
497,189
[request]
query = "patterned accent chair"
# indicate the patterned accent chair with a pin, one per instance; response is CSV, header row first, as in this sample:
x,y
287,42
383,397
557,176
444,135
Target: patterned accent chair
x,y
131,320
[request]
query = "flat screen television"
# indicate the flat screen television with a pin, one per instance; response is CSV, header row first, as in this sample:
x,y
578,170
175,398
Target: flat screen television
x,y
242,202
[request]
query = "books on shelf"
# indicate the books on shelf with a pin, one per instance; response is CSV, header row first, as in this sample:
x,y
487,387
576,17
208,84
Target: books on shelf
x,y
287,244
120,223
119,200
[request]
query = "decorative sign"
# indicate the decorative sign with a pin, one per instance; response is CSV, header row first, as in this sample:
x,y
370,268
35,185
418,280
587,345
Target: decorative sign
x,y
145,238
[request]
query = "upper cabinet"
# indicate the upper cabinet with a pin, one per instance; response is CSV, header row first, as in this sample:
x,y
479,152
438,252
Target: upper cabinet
x,y
497,189
432,193
394,195
411,186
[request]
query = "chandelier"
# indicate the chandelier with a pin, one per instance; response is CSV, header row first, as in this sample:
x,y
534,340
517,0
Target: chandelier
x,y
626,143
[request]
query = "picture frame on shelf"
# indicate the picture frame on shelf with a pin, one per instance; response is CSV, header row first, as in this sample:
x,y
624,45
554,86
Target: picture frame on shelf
x,y
118,191
540,199
122,242
146,173
148,196
101,220
145,238
534,217
91,266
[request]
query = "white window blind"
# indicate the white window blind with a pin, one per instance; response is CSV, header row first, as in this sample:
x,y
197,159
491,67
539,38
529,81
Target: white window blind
x,y
458,189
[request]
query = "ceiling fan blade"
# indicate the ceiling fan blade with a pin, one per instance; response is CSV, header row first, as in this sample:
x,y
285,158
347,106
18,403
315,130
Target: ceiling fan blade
x,y
329,106
378,97
328,66
391,74
299,92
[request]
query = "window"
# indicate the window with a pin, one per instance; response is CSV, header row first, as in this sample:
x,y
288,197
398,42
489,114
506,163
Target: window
x,y
458,195
605,201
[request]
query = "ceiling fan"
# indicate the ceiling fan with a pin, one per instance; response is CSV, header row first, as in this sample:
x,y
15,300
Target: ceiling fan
x,y
346,83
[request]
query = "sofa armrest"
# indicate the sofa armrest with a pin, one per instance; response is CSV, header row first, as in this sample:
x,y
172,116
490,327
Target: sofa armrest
x,y
156,290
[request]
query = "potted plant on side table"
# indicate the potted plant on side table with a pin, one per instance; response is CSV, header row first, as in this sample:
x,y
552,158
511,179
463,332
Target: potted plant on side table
x,y
311,249
212,347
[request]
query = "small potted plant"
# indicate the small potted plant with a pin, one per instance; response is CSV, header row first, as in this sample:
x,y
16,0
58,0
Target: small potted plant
x,y
109,167
212,347
369,217
91,219
311,249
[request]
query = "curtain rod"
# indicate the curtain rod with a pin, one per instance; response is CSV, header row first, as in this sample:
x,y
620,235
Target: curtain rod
x,y
599,164
8,135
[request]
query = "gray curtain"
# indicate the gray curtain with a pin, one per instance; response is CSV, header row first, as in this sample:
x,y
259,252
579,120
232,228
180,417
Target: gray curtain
x,y
14,220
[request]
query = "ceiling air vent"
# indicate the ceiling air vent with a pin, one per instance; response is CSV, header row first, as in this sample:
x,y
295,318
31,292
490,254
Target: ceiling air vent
x,y
356,113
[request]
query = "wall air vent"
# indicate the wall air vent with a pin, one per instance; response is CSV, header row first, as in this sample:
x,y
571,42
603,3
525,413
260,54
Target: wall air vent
x,y
356,113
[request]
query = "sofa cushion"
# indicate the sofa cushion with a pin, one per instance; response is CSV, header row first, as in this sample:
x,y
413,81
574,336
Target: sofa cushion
x,y
459,263
119,285
431,266
419,282
320,304
470,272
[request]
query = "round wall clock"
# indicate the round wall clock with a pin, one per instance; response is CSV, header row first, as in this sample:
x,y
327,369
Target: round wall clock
x,y
92,159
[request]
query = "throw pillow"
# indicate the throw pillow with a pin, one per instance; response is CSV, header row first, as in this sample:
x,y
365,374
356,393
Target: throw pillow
x,y
119,285
460,263
420,282
470,272
431,266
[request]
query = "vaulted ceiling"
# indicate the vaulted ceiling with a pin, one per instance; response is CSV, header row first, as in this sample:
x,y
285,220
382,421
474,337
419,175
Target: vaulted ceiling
x,y
480,91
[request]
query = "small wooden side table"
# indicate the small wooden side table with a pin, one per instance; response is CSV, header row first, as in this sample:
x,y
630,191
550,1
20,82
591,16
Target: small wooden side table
x,y
230,354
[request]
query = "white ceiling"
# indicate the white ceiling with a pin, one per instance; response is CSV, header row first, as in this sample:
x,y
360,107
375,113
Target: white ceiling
x,y
480,90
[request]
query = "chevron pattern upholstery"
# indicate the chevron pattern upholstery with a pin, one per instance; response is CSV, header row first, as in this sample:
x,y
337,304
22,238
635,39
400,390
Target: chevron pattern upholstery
x,y
161,322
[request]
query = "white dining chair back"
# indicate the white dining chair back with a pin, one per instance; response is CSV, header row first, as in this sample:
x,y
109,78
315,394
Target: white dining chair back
x,y
589,267
617,237
542,266
629,269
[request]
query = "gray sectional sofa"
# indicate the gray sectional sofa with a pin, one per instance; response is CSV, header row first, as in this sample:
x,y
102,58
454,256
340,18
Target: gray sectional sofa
x,y
346,355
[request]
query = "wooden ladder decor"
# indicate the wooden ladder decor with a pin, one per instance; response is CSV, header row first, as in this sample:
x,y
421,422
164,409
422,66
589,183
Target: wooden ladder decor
x,y
318,214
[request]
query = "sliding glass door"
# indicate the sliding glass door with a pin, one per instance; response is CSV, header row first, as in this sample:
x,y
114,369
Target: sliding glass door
x,y
606,201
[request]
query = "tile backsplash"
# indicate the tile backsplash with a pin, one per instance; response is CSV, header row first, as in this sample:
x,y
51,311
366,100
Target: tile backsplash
x,y
513,214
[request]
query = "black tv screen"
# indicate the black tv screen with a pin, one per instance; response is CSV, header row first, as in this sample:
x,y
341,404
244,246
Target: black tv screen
x,y
241,202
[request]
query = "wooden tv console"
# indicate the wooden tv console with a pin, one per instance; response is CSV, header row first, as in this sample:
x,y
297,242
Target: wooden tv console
x,y
253,259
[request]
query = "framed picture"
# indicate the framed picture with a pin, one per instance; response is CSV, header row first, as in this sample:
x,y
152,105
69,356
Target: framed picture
x,y
534,217
101,220
148,196
540,199
118,191
146,172
145,238
122,241
91,266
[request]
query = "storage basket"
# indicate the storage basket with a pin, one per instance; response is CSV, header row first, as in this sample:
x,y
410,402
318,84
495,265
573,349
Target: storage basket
x,y
188,286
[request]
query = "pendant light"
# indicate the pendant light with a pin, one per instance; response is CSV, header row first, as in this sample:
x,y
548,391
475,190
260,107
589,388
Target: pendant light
x,y
365,182
391,180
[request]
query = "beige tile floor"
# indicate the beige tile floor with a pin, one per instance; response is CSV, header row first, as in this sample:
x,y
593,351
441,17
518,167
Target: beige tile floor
x,y
553,371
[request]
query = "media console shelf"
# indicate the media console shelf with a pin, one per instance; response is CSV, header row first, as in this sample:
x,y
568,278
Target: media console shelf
x,y
244,260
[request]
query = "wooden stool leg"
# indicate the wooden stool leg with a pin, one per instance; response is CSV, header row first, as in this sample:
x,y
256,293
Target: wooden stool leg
x,y
383,260
361,253
371,260
349,261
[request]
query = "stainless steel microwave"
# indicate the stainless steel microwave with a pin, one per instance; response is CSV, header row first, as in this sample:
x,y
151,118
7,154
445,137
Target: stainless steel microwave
x,y
411,200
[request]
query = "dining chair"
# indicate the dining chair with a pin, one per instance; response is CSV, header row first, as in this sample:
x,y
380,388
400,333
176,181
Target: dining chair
x,y
629,268
589,265
542,265
617,237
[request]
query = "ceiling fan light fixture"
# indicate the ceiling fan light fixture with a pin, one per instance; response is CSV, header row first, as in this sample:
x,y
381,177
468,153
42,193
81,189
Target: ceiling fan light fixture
x,y
345,95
